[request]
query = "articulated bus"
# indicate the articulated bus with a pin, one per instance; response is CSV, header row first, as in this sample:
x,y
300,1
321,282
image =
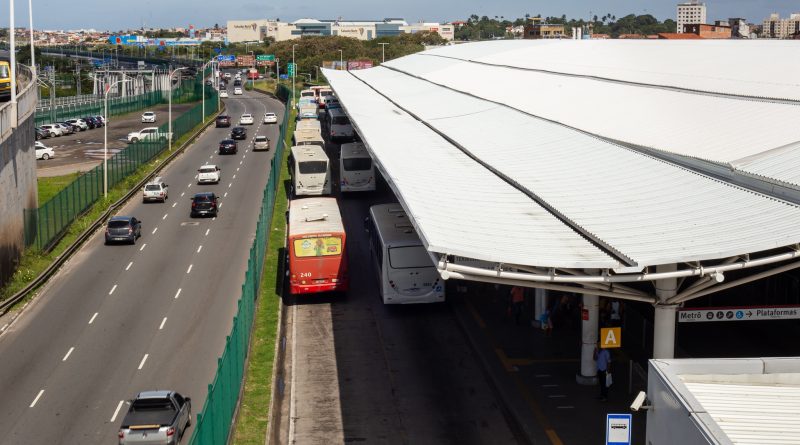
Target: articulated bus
x,y
406,273
316,247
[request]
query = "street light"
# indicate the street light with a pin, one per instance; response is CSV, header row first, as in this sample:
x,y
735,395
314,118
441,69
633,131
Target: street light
x,y
341,59
30,25
105,136
383,52
294,74
252,82
203,86
169,133
13,61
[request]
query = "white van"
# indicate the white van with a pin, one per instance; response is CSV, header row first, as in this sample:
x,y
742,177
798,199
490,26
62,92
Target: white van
x,y
311,171
357,174
337,125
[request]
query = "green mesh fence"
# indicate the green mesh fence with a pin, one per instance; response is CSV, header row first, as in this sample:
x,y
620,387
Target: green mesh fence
x,y
214,422
45,224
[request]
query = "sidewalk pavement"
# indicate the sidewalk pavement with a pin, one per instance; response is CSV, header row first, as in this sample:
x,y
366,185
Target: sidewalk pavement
x,y
535,374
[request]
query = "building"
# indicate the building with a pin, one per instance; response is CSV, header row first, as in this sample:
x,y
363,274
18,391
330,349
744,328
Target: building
x,y
678,36
739,28
708,31
691,12
535,29
776,28
445,31
257,30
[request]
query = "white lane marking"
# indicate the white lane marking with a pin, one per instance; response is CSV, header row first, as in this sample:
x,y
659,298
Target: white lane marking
x,y
112,290
565,407
116,411
225,195
190,184
143,246
542,375
230,184
210,156
237,169
220,204
552,385
162,323
189,270
36,399
154,230
245,152
556,396
165,216
174,204
4,327
68,354
177,294
207,231
244,156
144,359
234,177
241,162
91,320
199,249
182,193
129,266
214,218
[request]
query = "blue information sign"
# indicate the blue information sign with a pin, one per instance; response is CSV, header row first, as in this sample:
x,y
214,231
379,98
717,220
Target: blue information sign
x,y
226,58
618,429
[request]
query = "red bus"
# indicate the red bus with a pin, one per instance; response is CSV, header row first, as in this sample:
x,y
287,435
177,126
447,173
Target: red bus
x,y
252,74
316,246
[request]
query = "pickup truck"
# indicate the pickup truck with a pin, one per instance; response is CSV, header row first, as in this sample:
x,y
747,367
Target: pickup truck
x,y
156,417
149,133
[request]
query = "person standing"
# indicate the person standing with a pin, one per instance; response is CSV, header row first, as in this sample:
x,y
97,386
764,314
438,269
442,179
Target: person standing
x,y
517,301
602,358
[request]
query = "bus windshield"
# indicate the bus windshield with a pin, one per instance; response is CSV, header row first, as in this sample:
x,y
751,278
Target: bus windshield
x,y
313,167
409,257
323,246
4,71
357,164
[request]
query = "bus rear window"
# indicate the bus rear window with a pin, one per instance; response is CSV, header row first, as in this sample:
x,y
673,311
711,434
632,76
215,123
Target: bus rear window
x,y
324,246
409,257
313,167
357,164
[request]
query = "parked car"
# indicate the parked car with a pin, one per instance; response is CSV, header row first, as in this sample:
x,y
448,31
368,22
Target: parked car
x,y
123,228
223,121
204,204
41,134
237,91
155,190
208,174
102,119
228,146
270,118
149,133
239,133
246,119
43,152
92,122
69,128
54,129
148,117
80,123
156,417
261,143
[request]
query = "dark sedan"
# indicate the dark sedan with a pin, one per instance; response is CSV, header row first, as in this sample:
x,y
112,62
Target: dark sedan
x,y
92,122
204,204
123,229
223,121
239,133
228,146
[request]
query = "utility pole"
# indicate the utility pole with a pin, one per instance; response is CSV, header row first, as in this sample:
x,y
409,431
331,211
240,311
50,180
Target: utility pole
x,y
383,52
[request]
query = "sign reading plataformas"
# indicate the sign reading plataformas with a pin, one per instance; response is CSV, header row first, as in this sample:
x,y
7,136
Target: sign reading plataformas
x,y
739,314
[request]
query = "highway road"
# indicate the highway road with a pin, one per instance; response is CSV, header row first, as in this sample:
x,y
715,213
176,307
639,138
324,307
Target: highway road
x,y
121,319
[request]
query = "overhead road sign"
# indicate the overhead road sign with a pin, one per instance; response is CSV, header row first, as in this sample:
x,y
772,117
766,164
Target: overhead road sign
x,y
226,58
750,313
290,69
266,57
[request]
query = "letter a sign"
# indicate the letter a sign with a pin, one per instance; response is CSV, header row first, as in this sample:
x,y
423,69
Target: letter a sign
x,y
610,337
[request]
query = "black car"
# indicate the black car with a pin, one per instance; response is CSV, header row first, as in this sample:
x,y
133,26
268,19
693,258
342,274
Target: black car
x,y
204,204
228,146
41,134
237,83
91,122
223,121
239,133
123,229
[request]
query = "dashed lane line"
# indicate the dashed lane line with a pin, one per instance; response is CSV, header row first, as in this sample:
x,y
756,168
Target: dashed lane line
x,y
129,266
144,359
143,246
66,356
189,270
162,323
178,294
116,411
91,320
36,399
112,290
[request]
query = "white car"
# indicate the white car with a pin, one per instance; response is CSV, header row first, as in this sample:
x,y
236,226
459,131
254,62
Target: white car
x,y
80,123
149,133
237,91
223,93
246,119
155,190
208,173
55,130
43,152
227,75
270,118
148,117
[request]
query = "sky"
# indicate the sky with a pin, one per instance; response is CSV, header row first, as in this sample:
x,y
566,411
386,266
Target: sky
x,y
51,14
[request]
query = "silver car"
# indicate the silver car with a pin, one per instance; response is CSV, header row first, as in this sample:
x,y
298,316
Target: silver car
x,y
261,143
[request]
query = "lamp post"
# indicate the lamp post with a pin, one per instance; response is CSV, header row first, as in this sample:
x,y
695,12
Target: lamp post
x,y
252,81
341,59
105,136
203,86
294,74
383,52
169,133
30,25
13,60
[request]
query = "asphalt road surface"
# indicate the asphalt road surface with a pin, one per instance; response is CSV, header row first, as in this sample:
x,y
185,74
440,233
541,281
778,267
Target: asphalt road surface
x,y
83,151
121,319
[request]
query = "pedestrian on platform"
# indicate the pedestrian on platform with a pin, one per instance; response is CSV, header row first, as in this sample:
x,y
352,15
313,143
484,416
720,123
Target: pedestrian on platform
x,y
517,301
603,360
547,324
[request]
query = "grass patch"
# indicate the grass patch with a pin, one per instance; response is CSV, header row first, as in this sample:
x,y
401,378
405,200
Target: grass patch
x,y
49,187
33,261
253,418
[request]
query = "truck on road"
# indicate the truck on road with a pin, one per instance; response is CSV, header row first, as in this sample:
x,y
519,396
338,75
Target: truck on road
x,y
156,417
147,134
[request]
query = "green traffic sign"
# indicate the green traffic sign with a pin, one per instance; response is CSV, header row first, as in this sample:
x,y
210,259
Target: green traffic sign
x,y
266,57
290,69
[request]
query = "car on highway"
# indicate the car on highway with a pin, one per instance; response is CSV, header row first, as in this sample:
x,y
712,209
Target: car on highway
x,y
208,174
155,190
223,121
123,229
227,75
223,93
237,91
92,122
270,118
80,123
228,146
148,117
156,417
54,129
246,119
239,133
261,143
43,152
149,133
204,204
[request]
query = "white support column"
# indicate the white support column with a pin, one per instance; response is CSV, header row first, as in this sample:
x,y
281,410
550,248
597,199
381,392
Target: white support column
x,y
539,304
664,324
589,324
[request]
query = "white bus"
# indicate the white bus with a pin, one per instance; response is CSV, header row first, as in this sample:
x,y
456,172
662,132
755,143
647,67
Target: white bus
x,y
406,273
308,124
311,171
356,172
307,137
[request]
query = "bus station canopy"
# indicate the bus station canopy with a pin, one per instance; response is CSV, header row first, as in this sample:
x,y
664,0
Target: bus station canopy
x,y
548,154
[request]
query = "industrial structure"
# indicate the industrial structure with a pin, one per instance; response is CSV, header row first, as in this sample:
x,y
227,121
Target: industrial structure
x,y
258,30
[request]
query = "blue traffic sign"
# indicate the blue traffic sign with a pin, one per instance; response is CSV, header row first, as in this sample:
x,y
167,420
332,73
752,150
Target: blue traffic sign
x,y
217,50
618,429
226,58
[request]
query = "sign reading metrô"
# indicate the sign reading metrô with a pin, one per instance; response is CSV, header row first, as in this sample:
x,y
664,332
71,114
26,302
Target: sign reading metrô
x,y
751,313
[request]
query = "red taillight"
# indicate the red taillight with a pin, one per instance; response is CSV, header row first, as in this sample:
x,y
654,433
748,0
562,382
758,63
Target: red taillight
x,y
170,431
194,204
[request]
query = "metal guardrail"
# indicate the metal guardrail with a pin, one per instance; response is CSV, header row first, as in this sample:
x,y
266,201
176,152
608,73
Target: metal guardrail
x,y
7,304
46,104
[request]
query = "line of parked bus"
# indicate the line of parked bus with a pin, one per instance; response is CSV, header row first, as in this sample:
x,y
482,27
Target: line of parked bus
x,y
316,242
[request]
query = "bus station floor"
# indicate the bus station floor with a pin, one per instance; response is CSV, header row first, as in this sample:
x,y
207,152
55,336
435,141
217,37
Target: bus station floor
x,y
535,375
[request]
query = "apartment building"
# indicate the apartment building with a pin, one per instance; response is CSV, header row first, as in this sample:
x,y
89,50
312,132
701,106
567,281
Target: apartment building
x,y
689,13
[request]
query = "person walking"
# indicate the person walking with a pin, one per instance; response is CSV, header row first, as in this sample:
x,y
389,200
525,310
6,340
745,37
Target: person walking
x,y
517,301
603,360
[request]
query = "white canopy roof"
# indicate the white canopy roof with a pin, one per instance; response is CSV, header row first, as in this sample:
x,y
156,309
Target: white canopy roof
x,y
492,165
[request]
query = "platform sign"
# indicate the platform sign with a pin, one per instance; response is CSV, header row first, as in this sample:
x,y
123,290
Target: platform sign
x,y
610,337
266,57
618,429
751,313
